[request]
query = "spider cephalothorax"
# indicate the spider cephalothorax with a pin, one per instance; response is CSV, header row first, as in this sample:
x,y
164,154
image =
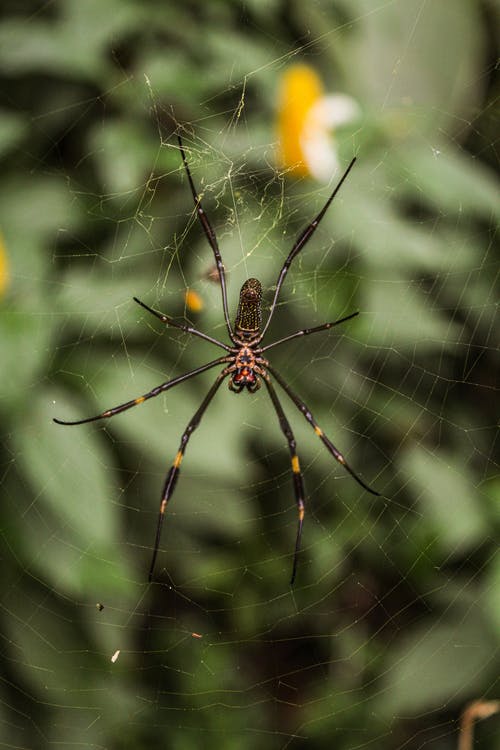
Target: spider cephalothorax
x,y
247,368
243,364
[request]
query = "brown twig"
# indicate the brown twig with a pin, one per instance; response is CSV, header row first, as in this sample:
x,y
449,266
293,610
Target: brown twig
x,y
474,711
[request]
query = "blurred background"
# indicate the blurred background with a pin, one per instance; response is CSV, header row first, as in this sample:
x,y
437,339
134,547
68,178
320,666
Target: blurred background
x,y
392,626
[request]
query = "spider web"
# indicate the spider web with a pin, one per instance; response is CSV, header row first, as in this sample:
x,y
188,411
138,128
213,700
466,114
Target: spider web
x,y
392,626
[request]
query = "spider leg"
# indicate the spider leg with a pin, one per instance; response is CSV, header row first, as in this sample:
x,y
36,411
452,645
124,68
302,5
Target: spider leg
x,y
187,329
301,241
210,235
173,474
155,392
298,482
307,331
319,432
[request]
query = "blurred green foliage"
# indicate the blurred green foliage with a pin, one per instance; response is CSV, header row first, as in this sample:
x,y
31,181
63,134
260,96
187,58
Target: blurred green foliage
x,y
393,624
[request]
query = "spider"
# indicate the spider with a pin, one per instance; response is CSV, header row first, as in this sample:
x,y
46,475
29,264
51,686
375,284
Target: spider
x,y
245,364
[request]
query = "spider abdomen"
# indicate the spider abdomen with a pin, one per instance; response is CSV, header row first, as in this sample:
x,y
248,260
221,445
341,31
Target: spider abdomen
x,y
249,315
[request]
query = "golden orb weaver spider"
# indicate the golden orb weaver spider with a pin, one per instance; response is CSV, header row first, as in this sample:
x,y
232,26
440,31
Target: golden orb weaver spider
x,y
244,364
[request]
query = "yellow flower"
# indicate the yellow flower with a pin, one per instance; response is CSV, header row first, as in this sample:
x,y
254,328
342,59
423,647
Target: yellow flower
x,y
4,268
306,119
194,302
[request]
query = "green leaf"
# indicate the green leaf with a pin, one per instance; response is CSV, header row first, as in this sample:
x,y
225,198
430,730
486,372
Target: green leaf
x,y
72,45
71,478
13,128
449,180
39,46
47,206
397,314
491,593
372,221
126,154
448,501
24,342
431,77
447,658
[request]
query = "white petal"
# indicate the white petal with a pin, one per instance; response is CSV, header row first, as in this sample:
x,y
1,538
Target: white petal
x,y
320,154
335,110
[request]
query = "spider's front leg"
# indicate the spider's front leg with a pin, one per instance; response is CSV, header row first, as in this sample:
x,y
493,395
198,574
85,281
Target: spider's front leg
x,y
298,482
151,394
301,406
173,474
